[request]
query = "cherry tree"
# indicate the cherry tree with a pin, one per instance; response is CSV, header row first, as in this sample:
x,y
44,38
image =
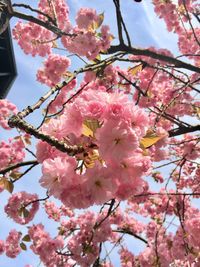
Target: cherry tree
x,y
107,131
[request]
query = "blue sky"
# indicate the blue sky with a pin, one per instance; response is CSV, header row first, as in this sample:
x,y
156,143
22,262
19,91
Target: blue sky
x,y
145,29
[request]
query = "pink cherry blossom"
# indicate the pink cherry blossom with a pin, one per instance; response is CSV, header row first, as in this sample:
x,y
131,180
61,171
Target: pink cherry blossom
x,y
7,109
116,140
22,207
54,68
12,248
98,185
58,174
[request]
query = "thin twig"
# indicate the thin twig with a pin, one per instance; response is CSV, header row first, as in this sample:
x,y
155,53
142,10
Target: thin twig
x,y
35,10
148,53
16,121
18,165
126,231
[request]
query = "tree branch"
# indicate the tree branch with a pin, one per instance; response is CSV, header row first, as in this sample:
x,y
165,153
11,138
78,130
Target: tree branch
x,y
126,231
17,165
43,24
119,25
148,53
90,67
35,10
16,121
184,130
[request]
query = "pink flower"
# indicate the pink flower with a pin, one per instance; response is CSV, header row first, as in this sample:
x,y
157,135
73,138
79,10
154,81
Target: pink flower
x,y
58,173
114,111
52,211
85,17
94,110
98,185
127,258
44,151
137,118
61,10
133,167
54,67
12,244
33,39
192,227
72,120
45,246
116,140
11,152
17,209
6,110
2,247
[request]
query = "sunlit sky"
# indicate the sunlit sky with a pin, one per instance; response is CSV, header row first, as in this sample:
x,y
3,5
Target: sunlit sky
x,y
145,29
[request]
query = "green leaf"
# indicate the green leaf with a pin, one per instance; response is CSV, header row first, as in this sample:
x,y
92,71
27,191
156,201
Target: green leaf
x,y
26,238
23,246
25,212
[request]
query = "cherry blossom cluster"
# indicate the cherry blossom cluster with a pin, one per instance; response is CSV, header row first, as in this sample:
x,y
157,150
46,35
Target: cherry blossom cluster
x,y
86,17
178,19
45,246
161,90
6,110
88,43
33,39
83,40
120,126
189,149
126,258
84,245
58,10
11,245
123,120
37,40
189,45
55,212
54,68
156,205
22,207
11,152
169,12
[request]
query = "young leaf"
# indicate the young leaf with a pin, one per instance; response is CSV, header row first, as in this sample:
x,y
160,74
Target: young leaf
x,y
150,139
100,19
135,70
27,139
25,212
89,161
8,185
2,181
87,131
89,127
23,246
15,175
96,24
26,238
